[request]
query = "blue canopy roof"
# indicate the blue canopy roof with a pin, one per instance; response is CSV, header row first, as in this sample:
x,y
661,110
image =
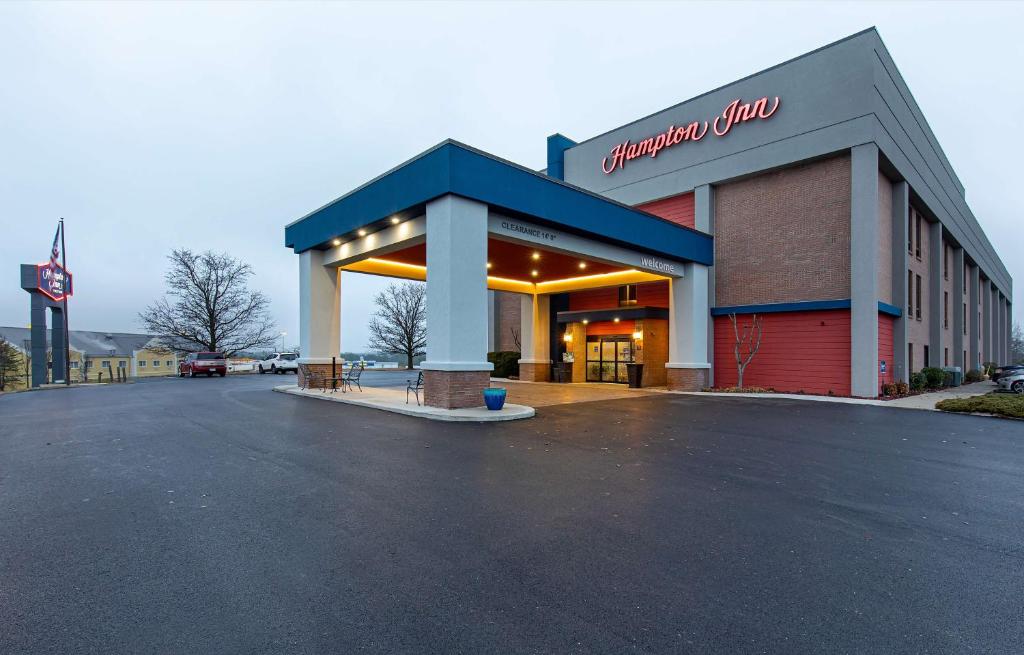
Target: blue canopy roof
x,y
454,168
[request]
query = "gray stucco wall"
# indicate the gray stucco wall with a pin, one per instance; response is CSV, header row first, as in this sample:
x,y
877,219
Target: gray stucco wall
x,y
843,95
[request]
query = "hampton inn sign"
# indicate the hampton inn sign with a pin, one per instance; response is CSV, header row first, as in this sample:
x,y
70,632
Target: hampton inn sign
x,y
736,112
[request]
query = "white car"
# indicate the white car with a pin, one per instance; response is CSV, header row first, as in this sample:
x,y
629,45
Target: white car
x,y
280,363
1013,382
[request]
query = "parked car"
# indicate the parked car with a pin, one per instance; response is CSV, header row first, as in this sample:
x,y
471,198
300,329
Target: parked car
x,y
1009,369
199,363
280,363
1012,382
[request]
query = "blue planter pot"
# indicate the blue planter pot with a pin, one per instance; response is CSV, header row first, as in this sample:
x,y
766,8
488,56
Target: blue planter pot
x,y
494,399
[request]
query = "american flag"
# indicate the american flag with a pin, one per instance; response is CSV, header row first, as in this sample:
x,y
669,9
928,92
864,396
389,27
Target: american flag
x,y
55,251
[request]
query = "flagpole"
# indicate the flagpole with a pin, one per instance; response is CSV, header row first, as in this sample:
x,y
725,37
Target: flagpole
x,y
67,287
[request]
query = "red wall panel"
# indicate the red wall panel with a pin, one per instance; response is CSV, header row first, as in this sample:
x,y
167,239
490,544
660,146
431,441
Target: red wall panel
x,y
605,298
610,327
678,209
886,328
800,351
652,294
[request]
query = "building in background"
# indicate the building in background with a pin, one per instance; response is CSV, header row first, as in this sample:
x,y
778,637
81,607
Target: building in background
x,y
812,194
92,353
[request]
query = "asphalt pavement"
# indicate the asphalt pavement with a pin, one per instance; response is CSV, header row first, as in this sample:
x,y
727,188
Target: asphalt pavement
x,y
215,516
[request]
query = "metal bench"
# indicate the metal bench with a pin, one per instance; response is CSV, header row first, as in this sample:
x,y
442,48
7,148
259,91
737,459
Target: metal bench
x,y
311,378
415,388
352,377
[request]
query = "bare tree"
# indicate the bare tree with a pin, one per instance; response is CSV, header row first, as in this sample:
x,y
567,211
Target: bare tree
x,y
517,341
10,364
1017,344
748,342
399,326
208,306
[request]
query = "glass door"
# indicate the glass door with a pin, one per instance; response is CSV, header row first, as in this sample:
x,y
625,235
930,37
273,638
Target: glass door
x,y
607,358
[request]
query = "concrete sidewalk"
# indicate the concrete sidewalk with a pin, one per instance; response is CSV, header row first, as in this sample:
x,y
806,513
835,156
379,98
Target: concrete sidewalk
x,y
392,399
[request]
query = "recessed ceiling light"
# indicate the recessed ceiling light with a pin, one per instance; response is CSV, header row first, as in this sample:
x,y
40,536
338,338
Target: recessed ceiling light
x,y
362,233
534,273
394,220
336,242
616,319
536,256
583,265
585,321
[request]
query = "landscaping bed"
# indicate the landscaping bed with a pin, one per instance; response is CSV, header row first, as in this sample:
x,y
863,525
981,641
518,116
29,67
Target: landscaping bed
x,y
999,404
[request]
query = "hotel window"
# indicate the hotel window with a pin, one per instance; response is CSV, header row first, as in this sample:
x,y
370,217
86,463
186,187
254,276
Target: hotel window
x,y
105,363
910,357
926,353
910,232
965,320
169,363
945,262
945,356
627,295
965,358
945,310
965,280
142,363
917,299
910,293
917,240
121,364
88,365
74,364
156,363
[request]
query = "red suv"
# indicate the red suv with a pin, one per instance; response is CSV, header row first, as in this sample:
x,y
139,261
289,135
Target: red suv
x,y
199,363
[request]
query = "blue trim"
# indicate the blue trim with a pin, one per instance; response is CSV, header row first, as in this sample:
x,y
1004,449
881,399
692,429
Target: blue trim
x,y
557,145
458,169
806,306
891,310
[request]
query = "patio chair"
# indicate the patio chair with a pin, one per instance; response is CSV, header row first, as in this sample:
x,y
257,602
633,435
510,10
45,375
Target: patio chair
x,y
352,377
311,378
415,388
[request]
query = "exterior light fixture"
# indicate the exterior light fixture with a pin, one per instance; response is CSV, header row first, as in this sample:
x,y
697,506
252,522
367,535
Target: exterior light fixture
x,y
362,233
567,338
394,220
616,319
336,242
638,335
488,265
585,321
535,256
534,273
583,265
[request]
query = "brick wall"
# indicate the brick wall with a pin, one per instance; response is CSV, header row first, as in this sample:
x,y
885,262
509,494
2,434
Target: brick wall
x,y
455,389
800,351
507,316
678,209
884,239
947,310
784,236
886,329
654,352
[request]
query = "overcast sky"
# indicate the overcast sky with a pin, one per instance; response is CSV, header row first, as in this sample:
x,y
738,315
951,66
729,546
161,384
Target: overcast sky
x,y
154,126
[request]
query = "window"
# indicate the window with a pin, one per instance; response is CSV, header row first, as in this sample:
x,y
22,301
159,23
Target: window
x,y
910,232
926,353
945,262
74,365
910,293
965,358
88,365
945,356
945,310
917,240
627,295
156,363
142,363
121,364
965,280
965,322
910,357
170,363
105,363
917,293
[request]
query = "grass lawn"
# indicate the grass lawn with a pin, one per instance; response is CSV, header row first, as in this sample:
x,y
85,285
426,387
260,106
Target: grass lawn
x,y
1002,404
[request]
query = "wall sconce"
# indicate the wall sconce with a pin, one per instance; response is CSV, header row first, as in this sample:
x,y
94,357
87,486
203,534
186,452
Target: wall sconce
x,y
567,338
638,335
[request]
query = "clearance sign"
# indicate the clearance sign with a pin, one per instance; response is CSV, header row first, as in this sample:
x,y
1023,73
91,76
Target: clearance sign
x,y
735,112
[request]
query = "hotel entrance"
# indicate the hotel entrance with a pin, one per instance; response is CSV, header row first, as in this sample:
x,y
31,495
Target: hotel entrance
x,y
607,357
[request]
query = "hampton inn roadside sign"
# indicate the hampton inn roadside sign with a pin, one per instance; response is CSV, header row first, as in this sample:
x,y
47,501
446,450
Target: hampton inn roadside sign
x,y
53,281
735,112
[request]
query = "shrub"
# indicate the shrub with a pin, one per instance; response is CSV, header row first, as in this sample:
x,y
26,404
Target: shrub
x,y
1000,404
973,375
918,381
889,390
935,378
902,388
988,368
506,363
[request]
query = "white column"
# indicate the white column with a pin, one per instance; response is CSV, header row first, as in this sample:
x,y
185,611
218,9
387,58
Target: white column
x,y
319,309
864,270
456,285
688,319
535,329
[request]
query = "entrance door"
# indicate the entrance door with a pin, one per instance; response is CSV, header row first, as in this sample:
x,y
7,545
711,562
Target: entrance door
x,y
607,358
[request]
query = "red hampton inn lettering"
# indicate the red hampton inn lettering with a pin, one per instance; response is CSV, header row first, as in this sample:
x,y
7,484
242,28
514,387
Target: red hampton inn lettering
x,y
736,112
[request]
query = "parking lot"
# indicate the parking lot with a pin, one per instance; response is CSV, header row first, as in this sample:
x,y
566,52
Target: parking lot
x,y
212,515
